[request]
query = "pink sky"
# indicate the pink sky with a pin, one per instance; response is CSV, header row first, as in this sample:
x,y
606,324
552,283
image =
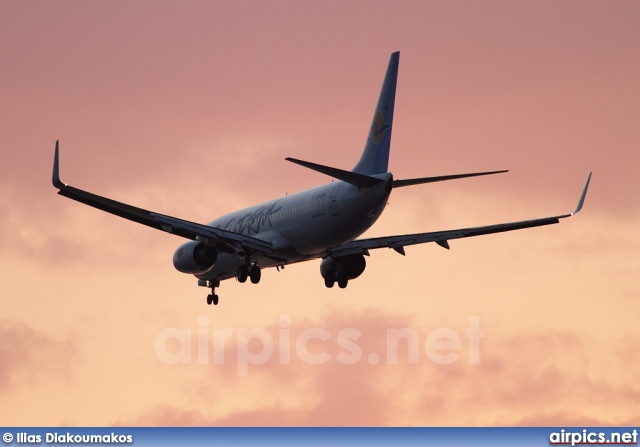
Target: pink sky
x,y
189,108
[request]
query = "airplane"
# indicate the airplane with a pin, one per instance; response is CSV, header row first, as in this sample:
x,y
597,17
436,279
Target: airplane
x,y
319,223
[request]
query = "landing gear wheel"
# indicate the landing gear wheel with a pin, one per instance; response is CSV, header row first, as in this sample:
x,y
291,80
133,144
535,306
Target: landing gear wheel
x,y
212,297
243,273
329,281
255,274
343,279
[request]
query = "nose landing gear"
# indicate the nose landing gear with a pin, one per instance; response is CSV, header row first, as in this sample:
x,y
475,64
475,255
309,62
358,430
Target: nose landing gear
x,y
212,297
252,272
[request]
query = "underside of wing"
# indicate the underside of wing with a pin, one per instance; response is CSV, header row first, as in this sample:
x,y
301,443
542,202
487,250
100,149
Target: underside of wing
x,y
398,243
225,240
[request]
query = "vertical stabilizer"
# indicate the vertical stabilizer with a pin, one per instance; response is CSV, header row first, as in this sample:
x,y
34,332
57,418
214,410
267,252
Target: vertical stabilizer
x,y
375,157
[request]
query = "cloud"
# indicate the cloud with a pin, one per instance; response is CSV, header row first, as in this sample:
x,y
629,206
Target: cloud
x,y
528,378
28,355
168,416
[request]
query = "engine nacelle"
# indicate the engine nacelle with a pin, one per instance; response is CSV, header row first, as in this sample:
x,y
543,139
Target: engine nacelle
x,y
353,265
194,257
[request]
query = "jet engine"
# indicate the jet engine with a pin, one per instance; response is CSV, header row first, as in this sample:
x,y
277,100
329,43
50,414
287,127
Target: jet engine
x,y
194,257
352,265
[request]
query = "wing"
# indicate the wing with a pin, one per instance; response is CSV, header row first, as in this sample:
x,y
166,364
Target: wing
x,y
362,246
225,240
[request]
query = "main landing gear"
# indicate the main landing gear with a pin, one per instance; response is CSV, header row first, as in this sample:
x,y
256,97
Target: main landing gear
x,y
341,277
342,269
253,272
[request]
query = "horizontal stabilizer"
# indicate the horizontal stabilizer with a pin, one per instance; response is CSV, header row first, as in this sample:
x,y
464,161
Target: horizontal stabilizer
x,y
359,180
419,181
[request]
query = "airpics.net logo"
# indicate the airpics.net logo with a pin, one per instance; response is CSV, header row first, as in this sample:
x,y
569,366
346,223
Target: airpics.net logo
x,y
248,348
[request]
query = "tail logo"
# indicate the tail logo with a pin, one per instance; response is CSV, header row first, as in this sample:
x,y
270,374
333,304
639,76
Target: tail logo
x,y
378,127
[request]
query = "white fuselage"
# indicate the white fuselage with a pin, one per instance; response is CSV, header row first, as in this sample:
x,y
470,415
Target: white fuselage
x,y
302,226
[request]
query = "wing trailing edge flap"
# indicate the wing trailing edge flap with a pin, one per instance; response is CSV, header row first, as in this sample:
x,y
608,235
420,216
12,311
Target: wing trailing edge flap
x,y
442,238
227,240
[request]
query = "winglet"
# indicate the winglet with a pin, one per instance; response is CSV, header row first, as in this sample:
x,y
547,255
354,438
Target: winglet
x,y
56,170
582,197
